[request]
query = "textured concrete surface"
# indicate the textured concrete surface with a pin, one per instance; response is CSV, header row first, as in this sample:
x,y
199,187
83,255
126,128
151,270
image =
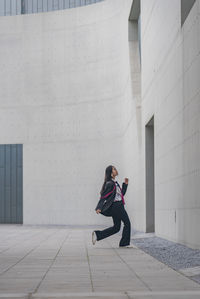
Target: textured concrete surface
x,y
61,262
65,95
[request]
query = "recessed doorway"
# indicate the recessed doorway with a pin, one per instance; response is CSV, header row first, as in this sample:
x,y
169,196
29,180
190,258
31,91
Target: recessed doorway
x,y
11,195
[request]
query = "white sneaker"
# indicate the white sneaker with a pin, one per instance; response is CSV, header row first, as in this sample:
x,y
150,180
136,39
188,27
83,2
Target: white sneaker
x,y
128,246
94,237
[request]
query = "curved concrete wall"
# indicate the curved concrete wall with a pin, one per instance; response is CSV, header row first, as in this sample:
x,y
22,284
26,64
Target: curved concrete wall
x,y
65,89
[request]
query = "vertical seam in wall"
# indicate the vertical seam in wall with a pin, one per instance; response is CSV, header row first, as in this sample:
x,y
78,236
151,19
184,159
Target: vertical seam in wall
x,y
144,31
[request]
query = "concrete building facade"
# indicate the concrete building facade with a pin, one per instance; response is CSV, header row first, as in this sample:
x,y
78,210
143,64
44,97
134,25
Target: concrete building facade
x,y
116,82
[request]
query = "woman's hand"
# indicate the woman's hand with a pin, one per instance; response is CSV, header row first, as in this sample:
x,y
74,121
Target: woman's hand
x,y
126,181
98,211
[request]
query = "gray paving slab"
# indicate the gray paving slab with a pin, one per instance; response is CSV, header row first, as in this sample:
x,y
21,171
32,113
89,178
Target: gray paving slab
x,y
13,296
86,295
164,295
61,262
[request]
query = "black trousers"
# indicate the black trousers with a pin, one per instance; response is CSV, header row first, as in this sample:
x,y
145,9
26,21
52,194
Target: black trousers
x,y
118,213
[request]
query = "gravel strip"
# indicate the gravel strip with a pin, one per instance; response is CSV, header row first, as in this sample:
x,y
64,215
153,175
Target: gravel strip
x,y
196,278
176,256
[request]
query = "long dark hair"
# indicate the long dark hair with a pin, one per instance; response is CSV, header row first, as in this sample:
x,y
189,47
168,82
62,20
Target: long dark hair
x,y
108,177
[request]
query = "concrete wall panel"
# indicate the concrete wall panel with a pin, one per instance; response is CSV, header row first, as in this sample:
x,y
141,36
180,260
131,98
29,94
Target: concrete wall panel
x,y
170,90
65,86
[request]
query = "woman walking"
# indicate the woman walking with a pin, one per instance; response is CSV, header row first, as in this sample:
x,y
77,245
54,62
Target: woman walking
x,y
111,203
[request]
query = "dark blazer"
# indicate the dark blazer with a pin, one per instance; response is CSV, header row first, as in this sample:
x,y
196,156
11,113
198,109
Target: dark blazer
x,y
108,196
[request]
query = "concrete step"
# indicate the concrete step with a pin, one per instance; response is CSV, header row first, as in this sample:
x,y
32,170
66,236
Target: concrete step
x,y
108,295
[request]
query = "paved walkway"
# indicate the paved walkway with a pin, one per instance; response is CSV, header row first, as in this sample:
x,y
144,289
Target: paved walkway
x,y
61,262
